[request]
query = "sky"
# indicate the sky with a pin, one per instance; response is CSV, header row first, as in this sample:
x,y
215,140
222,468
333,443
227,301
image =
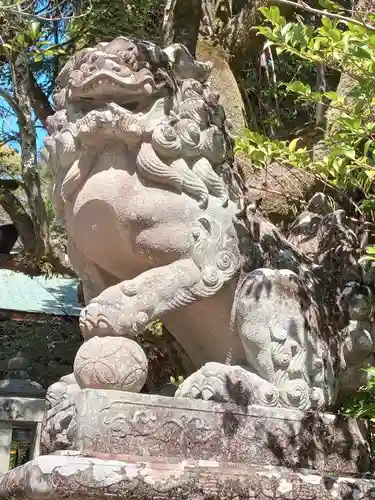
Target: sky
x,y
11,125
11,122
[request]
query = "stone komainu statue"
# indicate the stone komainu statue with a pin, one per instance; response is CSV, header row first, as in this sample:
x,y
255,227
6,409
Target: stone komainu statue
x,y
159,227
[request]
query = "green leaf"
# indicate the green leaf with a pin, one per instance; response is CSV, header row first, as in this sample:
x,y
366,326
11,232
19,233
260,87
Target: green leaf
x,y
335,34
286,28
258,155
299,88
266,32
371,251
34,30
329,5
293,144
274,14
38,58
331,95
20,40
327,23
367,146
43,42
349,153
265,11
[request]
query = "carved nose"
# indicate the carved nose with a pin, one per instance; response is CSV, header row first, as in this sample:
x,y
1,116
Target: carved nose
x,y
100,61
97,60
116,68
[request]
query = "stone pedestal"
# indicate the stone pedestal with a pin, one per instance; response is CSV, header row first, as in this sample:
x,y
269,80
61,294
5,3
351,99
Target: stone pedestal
x,y
135,446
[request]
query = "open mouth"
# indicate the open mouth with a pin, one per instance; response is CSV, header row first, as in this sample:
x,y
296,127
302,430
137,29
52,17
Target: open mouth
x,y
131,95
109,82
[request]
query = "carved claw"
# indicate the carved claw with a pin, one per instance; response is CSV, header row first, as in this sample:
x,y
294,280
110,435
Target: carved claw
x,y
228,384
114,313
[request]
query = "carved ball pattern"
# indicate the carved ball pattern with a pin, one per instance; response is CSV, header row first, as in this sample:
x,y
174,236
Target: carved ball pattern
x,y
111,363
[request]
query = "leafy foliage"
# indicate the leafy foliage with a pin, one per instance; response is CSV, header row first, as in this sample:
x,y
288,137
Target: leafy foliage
x,y
263,151
362,404
346,160
140,19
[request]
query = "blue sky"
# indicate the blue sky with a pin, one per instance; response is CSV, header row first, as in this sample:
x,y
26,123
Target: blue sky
x,y
12,125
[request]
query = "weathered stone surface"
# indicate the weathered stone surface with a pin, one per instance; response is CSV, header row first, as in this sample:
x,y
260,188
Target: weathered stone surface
x,y
111,363
77,477
60,422
114,423
21,409
160,226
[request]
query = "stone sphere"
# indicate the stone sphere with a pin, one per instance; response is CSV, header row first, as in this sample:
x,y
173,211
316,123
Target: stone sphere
x,y
111,363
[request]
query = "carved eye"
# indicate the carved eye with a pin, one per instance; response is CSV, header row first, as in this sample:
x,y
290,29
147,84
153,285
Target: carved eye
x,y
194,132
169,133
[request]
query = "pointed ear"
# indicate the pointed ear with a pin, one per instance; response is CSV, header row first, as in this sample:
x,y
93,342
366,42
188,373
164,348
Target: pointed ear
x,y
184,65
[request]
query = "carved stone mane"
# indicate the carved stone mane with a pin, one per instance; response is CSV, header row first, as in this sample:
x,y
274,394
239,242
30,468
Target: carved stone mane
x,y
178,128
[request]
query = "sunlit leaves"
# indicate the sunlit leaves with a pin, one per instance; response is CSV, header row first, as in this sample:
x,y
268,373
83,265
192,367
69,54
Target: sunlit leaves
x,y
263,151
348,162
340,44
299,88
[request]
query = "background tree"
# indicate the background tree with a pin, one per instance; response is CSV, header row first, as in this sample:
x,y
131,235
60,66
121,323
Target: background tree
x,y
32,41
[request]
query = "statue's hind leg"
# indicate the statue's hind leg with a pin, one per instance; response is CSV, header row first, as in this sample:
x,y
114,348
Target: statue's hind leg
x,y
285,343
277,321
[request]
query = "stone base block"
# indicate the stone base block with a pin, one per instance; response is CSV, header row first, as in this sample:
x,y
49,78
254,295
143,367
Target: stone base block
x,y
57,477
118,424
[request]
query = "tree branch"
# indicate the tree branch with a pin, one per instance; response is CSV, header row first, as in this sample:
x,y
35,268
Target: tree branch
x,y
38,17
12,103
302,5
40,102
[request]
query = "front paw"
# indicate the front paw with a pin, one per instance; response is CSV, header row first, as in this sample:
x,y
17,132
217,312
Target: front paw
x,y
112,314
228,384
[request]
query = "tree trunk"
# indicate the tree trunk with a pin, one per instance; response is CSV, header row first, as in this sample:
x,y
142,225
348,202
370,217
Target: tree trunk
x,y
21,220
181,22
22,92
240,38
223,81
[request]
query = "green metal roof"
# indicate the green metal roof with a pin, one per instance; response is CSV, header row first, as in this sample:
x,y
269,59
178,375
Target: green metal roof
x,y
55,296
